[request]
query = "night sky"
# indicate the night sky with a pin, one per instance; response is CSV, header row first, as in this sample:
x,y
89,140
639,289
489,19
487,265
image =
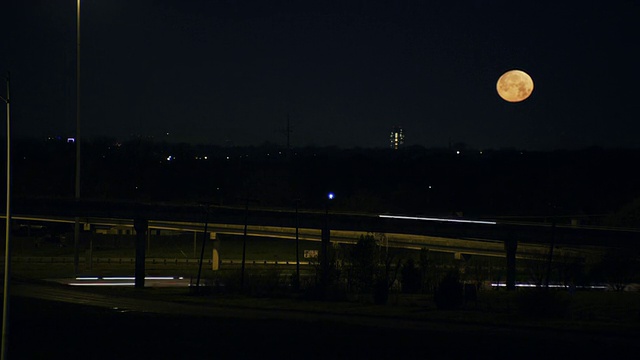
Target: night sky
x,y
345,72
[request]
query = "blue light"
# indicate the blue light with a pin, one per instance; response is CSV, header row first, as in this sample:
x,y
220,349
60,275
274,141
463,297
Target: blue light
x,y
331,196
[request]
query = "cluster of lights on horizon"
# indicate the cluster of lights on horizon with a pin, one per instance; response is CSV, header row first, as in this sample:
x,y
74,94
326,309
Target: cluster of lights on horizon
x,y
397,139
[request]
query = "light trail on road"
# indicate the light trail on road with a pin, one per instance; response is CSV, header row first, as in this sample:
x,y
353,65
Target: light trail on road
x,y
438,219
150,281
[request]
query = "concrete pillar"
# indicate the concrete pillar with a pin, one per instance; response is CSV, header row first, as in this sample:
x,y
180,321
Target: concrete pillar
x,y
511,246
324,258
215,257
141,226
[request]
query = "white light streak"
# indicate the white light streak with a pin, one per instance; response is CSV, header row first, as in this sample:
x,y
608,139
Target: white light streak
x,y
133,278
101,284
438,219
593,287
116,280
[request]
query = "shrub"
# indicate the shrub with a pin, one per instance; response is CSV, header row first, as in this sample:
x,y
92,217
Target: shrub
x,y
381,291
449,293
411,277
543,303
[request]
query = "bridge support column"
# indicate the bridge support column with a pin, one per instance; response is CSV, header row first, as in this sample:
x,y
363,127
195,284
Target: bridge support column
x,y
511,246
324,259
141,227
215,256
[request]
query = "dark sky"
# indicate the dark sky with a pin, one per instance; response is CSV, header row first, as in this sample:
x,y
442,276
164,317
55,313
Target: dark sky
x,y
230,72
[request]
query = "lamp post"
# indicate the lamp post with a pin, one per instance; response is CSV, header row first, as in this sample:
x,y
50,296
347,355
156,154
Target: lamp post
x,y
324,261
7,251
76,228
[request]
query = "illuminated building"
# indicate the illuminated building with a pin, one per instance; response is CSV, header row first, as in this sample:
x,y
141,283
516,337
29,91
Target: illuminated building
x,y
397,138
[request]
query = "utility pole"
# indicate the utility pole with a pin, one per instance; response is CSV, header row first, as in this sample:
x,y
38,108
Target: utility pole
x,y
7,250
288,133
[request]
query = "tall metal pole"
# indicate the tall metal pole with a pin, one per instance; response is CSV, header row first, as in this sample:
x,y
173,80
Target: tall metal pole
x,y
204,242
550,258
297,248
324,245
324,249
244,245
76,229
141,226
7,250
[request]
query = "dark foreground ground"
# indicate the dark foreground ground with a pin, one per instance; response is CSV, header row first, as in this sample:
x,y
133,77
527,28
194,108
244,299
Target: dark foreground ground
x,y
46,329
54,330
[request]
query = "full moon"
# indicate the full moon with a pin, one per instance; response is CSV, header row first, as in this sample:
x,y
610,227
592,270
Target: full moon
x,y
514,86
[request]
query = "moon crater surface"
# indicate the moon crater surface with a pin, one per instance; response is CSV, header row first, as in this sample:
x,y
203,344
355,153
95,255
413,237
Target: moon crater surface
x,y
514,86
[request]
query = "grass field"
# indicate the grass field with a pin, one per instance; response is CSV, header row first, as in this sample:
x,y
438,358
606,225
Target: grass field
x,y
612,311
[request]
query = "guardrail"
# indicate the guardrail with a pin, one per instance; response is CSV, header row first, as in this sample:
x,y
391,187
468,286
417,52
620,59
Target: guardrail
x,y
160,261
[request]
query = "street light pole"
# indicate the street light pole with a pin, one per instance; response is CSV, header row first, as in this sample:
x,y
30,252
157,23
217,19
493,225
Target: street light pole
x,y
76,228
7,250
324,246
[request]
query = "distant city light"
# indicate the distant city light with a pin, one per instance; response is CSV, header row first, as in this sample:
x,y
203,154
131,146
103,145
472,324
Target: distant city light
x,y
71,140
170,157
331,196
397,137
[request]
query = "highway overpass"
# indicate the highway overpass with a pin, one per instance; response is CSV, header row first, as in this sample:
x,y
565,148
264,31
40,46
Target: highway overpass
x,y
450,228
460,236
455,235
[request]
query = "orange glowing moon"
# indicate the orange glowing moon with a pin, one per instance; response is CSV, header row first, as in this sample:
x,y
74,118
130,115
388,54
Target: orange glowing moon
x,y
514,86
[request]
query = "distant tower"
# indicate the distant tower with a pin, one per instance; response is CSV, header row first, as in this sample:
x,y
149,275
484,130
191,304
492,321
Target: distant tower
x,y
397,138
